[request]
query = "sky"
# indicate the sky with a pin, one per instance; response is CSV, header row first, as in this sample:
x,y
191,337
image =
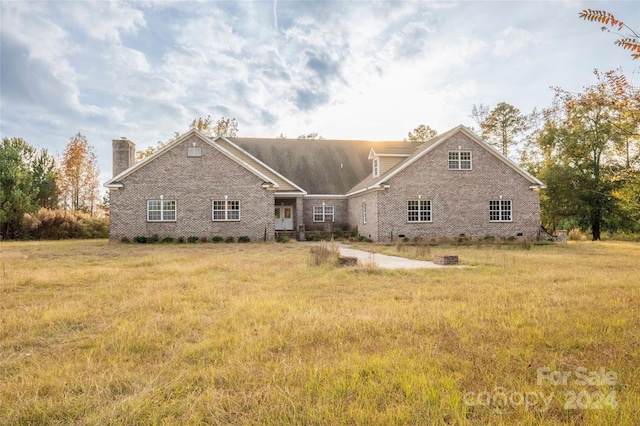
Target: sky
x,y
371,70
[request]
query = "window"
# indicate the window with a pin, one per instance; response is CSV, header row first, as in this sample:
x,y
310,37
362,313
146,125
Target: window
x,y
161,210
419,211
364,212
459,160
376,167
224,210
194,151
321,213
500,211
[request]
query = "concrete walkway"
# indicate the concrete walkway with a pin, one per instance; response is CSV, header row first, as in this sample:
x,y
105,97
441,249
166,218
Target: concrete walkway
x,y
387,262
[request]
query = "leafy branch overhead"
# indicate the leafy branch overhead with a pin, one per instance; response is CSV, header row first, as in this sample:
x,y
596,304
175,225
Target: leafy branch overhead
x,y
421,133
629,41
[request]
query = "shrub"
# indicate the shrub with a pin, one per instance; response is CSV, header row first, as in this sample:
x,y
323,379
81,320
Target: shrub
x,y
324,254
59,224
244,239
153,239
283,239
229,240
363,239
192,239
338,232
203,239
462,239
576,235
354,232
125,240
140,239
167,240
217,239
318,236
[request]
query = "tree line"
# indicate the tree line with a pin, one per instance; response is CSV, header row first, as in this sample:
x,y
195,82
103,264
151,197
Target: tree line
x,y
42,196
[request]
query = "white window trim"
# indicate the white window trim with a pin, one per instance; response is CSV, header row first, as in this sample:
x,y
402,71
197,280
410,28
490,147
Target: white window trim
x,y
324,211
376,167
459,160
364,212
226,211
500,210
428,203
162,210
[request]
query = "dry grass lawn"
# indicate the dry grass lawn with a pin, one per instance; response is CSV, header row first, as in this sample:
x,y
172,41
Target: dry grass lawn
x,y
99,333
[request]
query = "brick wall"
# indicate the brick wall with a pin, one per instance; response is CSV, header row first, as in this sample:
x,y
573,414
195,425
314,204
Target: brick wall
x,y
369,229
460,198
193,182
340,208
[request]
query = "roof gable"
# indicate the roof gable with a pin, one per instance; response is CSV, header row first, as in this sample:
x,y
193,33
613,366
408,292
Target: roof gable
x,y
430,145
114,182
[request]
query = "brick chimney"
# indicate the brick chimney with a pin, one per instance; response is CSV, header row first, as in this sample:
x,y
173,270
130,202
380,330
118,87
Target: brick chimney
x,y
124,155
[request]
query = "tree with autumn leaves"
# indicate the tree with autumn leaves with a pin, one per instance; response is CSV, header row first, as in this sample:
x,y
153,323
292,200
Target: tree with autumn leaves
x,y
589,151
227,127
79,177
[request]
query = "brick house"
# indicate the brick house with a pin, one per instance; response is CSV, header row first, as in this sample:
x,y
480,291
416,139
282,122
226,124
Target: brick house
x,y
199,186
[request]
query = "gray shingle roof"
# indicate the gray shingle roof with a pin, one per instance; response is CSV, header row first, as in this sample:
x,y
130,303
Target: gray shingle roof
x,y
320,166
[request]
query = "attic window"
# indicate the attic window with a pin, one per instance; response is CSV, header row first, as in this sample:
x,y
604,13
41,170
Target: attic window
x,y
376,167
459,160
194,151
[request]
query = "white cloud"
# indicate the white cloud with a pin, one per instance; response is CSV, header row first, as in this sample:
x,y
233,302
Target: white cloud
x,y
344,69
126,59
513,40
104,20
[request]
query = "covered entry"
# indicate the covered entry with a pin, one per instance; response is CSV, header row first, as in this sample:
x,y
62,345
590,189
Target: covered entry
x,y
284,218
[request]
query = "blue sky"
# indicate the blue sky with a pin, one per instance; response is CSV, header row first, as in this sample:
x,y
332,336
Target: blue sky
x,y
347,69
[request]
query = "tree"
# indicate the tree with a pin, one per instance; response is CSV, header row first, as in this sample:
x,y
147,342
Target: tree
x,y
227,127
479,113
503,126
28,181
315,136
16,181
45,177
421,133
150,150
79,176
580,138
629,41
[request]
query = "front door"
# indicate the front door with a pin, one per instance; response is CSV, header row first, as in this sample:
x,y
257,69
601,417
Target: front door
x,y
284,218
